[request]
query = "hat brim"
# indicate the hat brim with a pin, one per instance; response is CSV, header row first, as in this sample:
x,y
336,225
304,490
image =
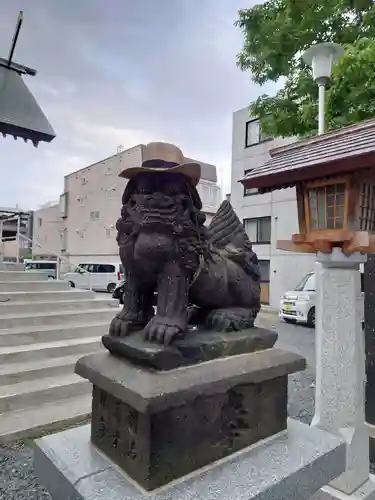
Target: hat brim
x,y
190,170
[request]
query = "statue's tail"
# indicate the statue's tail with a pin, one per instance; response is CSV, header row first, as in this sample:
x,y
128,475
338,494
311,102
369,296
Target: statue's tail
x,y
227,233
226,228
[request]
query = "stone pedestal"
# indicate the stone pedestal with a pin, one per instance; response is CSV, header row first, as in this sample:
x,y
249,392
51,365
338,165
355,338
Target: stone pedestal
x,y
340,367
292,465
161,425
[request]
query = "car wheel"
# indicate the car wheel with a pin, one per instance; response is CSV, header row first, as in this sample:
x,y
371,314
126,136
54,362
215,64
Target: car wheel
x,y
72,284
311,318
111,287
51,277
288,320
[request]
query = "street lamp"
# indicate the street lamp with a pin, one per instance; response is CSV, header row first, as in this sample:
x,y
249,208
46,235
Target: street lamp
x,y
321,56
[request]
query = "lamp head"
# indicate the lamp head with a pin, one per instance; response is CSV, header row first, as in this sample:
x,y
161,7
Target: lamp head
x,y
321,56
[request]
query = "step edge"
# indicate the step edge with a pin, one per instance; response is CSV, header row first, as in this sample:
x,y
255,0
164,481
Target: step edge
x,y
56,383
44,425
54,313
36,365
48,345
44,328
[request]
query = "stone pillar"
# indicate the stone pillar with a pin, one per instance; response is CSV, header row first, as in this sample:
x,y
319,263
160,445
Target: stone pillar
x,y
340,367
369,316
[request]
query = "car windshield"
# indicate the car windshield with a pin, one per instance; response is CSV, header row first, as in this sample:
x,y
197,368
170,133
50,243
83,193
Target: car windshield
x,y
307,284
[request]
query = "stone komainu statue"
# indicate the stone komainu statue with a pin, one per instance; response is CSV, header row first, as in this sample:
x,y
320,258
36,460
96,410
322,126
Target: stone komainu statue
x,y
207,277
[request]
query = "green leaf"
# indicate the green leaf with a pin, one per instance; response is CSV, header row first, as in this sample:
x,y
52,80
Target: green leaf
x,y
275,36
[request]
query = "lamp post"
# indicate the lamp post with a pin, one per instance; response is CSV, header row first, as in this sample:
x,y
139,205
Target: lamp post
x,y
340,346
321,57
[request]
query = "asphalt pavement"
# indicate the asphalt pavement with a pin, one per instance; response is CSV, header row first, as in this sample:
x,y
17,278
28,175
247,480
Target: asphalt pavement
x,y
301,340
292,337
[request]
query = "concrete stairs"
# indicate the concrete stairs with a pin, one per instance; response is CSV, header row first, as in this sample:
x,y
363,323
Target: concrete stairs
x,y
45,327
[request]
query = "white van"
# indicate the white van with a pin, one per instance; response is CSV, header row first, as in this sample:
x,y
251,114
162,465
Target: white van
x,y
42,266
99,276
298,305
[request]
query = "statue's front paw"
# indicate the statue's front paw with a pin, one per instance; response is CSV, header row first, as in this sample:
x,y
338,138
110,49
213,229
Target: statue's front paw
x,y
163,330
122,325
119,327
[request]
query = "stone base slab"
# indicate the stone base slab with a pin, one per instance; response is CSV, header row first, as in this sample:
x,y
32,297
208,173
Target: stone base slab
x,y
292,466
198,346
365,492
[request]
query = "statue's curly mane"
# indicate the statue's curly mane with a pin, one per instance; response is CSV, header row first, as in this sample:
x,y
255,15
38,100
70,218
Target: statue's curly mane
x,y
174,204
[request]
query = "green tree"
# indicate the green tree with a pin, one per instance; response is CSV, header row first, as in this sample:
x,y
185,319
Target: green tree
x,y
277,32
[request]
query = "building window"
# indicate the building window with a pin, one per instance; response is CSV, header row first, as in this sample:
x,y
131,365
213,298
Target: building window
x,y
108,232
249,191
110,193
40,221
264,268
64,205
258,229
63,239
253,134
95,215
84,181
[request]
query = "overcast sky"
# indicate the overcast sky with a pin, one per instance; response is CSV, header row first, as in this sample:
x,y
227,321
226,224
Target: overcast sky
x,y
114,72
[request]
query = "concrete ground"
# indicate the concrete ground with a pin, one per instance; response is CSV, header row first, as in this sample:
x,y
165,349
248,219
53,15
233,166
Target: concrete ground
x,y
17,481
299,339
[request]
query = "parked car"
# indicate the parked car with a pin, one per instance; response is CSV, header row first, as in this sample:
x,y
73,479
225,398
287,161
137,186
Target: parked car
x,y
42,266
118,293
298,305
100,276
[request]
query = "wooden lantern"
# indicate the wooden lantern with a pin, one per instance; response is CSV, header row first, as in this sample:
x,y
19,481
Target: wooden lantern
x,y
334,176
335,211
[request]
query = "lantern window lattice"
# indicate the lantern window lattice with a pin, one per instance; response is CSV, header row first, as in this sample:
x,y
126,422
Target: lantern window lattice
x,y
367,207
327,206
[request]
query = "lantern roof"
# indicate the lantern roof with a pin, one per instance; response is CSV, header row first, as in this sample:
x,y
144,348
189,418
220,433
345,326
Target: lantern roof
x,y
20,114
337,152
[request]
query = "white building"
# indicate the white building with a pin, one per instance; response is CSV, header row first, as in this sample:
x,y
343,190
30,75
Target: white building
x,y
267,217
12,219
82,225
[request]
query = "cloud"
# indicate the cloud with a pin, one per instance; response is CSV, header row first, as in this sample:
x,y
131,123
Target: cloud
x,y
122,72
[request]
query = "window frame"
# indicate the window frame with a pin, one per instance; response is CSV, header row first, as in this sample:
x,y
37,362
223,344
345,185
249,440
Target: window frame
x,y
323,184
258,219
244,188
94,215
261,139
269,270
